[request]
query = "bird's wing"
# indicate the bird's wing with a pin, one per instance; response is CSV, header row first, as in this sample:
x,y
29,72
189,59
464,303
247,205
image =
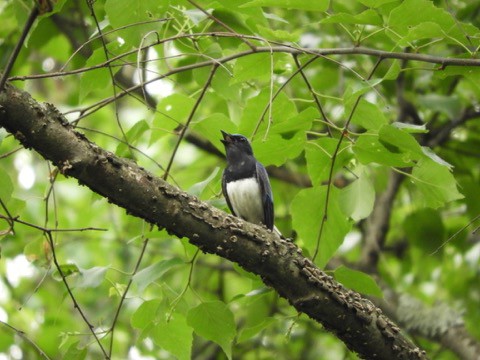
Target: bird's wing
x,y
225,194
267,196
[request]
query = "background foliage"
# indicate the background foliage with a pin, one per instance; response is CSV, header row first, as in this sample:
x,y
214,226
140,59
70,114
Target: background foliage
x,y
341,128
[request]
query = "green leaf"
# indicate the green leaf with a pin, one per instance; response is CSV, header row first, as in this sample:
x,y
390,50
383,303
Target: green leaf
x,y
255,67
424,30
358,281
367,17
214,321
469,186
172,111
427,21
282,110
280,35
58,46
429,152
402,18
375,3
318,154
393,71
196,16
290,124
126,12
198,188
132,135
307,211
410,128
249,332
399,141
276,150
146,276
7,338
318,5
116,290
137,130
97,79
210,127
358,198
67,270
221,83
149,311
6,186
424,229
435,182
368,116
75,351
35,249
175,336
90,278
13,14
448,105
369,149
357,89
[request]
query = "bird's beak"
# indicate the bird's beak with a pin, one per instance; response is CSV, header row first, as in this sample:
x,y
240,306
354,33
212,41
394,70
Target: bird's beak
x,y
227,138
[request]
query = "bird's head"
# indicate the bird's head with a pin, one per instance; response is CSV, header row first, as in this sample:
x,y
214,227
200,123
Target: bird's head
x,y
236,144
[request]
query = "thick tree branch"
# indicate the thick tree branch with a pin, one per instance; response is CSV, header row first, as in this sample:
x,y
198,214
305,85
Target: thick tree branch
x,y
355,320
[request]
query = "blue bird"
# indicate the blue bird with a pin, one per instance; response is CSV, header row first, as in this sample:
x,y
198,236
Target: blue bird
x,y
245,183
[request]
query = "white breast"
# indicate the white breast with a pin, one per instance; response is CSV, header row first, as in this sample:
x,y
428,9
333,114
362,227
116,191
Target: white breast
x,y
246,200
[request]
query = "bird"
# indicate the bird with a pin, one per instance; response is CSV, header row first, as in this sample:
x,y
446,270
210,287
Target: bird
x,y
245,183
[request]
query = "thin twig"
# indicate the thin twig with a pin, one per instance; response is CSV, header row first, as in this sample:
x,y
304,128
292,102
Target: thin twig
x,y
334,157
190,117
48,234
112,76
141,65
456,234
124,295
35,290
108,33
123,142
281,48
314,94
45,229
11,61
51,192
7,154
189,281
274,96
9,218
24,336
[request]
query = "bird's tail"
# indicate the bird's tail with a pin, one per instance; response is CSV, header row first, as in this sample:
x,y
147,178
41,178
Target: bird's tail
x,y
275,230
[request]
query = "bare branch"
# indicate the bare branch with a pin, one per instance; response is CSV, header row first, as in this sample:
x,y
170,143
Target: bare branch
x,y
124,295
18,46
24,336
76,305
190,117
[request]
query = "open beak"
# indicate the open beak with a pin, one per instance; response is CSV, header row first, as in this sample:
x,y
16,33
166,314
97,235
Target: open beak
x,y
227,138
